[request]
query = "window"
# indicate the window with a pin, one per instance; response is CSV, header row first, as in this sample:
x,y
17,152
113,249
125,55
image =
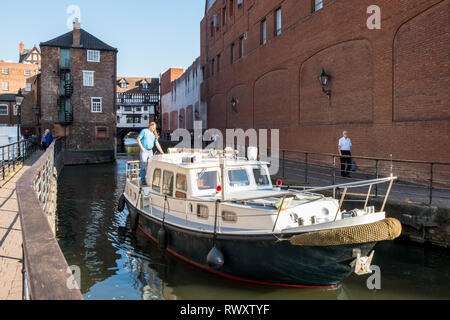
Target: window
x,y
238,178
102,132
318,4
5,86
133,119
232,52
156,183
27,72
207,180
202,211
3,109
167,187
241,46
228,216
277,22
218,62
96,105
212,67
239,3
231,8
127,109
28,87
212,29
5,70
145,85
118,119
93,56
261,177
138,109
224,16
264,31
88,78
181,182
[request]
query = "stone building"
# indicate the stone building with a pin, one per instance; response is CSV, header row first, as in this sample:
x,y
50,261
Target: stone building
x,y
78,95
181,104
388,87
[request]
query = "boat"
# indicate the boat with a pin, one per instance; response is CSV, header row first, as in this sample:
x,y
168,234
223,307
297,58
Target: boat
x,y
222,213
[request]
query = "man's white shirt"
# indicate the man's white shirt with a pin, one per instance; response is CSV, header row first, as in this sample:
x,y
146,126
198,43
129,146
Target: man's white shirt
x,y
345,144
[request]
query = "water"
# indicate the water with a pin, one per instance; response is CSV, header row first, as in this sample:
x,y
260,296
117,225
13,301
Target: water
x,y
118,265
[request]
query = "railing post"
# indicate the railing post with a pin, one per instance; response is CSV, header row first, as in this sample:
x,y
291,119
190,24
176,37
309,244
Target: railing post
x,y
306,167
334,170
431,184
3,162
376,174
284,164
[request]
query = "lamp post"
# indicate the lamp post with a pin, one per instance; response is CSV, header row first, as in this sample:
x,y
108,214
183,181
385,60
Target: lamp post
x,y
19,100
323,80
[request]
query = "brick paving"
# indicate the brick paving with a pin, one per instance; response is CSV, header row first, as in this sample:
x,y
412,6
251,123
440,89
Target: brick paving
x,y
11,257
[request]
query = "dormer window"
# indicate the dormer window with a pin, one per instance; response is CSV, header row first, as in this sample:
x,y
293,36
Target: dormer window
x,y
123,84
144,84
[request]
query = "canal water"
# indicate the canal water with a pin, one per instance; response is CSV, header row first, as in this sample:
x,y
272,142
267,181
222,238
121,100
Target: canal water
x,y
115,264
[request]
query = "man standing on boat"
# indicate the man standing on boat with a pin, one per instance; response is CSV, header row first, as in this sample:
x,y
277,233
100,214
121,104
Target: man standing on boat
x,y
146,140
344,151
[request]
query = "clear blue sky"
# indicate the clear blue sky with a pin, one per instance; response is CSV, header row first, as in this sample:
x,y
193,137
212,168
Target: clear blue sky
x,y
151,35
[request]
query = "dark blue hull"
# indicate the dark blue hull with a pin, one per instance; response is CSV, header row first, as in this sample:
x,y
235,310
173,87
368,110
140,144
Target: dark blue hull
x,y
259,259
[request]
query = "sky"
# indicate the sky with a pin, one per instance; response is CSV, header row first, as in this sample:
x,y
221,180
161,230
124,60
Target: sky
x,y
151,35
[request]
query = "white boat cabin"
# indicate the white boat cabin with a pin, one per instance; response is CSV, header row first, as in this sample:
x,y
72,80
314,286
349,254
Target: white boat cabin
x,y
186,189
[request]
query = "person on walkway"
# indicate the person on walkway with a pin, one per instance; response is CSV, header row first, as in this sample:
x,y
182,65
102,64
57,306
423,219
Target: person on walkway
x,y
44,141
48,138
344,147
147,140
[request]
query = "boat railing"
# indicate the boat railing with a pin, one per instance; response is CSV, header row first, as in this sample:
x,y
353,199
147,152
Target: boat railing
x,y
133,172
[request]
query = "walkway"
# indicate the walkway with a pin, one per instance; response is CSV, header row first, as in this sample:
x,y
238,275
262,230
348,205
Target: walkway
x,y
11,237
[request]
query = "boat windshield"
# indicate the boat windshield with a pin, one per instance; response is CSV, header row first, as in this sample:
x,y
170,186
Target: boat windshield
x,y
238,178
261,177
206,180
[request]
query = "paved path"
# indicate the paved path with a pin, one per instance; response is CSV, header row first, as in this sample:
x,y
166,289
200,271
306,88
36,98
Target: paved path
x,y
11,258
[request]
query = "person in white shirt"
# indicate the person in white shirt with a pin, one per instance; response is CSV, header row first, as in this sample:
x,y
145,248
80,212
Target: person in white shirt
x,y
344,147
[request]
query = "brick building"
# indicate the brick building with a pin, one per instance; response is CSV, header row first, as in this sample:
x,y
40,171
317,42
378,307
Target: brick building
x,y
15,76
389,86
78,95
181,104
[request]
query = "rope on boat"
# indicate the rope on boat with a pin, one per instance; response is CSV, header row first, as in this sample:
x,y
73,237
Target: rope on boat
x,y
387,229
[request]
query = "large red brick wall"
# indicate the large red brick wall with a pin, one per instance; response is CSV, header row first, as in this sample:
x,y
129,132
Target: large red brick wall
x,y
389,86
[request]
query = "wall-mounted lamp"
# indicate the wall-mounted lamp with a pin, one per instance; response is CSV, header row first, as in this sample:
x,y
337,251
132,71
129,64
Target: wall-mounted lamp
x,y
324,79
234,104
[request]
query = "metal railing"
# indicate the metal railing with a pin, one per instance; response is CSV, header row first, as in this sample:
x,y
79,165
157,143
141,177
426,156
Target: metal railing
x,y
14,155
423,181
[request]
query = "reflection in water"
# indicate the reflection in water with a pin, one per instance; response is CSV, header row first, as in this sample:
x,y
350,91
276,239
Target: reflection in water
x,y
116,264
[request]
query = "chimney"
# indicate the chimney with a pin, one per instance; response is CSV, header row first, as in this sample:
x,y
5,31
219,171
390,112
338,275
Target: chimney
x,y
21,47
76,33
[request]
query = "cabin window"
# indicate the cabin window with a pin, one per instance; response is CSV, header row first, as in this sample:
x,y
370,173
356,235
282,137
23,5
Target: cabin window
x,y
156,184
207,180
238,178
181,182
228,216
167,187
202,211
261,177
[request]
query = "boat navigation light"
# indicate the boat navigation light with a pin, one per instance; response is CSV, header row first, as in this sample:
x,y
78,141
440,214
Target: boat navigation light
x,y
279,182
218,188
